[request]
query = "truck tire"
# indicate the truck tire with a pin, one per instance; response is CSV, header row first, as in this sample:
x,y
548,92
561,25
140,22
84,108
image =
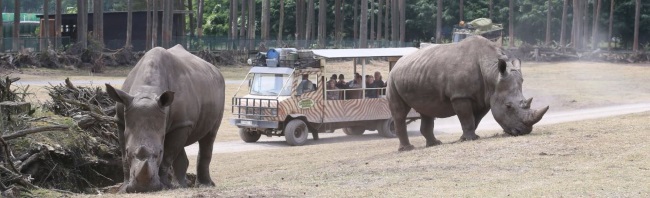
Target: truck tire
x,y
296,132
249,136
356,130
387,128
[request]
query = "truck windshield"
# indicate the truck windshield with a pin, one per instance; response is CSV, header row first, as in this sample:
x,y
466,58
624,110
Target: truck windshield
x,y
269,84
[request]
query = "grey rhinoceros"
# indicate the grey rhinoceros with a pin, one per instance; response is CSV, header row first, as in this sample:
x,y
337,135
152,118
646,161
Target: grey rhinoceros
x,y
169,100
467,79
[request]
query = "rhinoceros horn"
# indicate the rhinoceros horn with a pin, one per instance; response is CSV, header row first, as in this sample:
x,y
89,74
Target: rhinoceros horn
x,y
144,175
536,116
527,103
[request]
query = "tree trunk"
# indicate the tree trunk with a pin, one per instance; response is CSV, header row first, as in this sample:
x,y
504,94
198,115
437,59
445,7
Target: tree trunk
x,y
439,21
2,34
574,24
155,23
164,24
594,30
490,8
199,17
461,10
402,20
129,24
169,23
242,21
386,20
380,16
363,26
611,18
265,19
337,20
57,25
511,26
372,20
299,24
149,21
98,21
281,26
192,20
395,21
233,19
548,24
563,25
310,19
356,19
16,28
251,24
585,24
82,23
45,40
637,16
322,24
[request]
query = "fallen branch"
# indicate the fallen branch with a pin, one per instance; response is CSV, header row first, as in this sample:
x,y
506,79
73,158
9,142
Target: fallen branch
x,y
7,153
31,160
21,133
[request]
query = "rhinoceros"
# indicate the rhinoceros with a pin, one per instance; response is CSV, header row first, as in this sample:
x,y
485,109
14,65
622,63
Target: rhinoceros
x,y
169,100
467,79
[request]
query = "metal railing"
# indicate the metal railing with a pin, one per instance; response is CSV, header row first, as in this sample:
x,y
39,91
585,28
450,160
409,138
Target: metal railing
x,y
381,91
254,108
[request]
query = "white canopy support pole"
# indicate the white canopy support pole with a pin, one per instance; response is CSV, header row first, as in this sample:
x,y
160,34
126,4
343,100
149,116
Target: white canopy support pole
x,y
363,77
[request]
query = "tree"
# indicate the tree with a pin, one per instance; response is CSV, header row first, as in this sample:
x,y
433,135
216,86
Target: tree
x,y
402,20
611,18
149,24
242,20
356,19
82,23
281,26
461,10
46,26
199,17
16,28
129,24
310,19
337,20
98,21
637,16
372,20
300,25
548,23
2,34
167,26
322,24
363,28
490,8
394,20
233,18
155,23
379,18
386,21
266,19
574,24
594,30
583,21
57,24
562,31
192,20
251,24
439,21
511,27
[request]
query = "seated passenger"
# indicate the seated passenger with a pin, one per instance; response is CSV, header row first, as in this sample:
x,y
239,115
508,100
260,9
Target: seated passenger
x,y
305,85
355,84
332,95
371,93
341,83
379,83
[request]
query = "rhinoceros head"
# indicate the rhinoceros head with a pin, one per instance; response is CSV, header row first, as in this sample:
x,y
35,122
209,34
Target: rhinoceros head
x,y
145,117
509,107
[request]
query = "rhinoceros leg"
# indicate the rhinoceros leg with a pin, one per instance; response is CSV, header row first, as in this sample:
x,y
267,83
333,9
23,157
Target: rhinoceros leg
x,y
180,168
465,112
399,109
205,156
174,143
426,128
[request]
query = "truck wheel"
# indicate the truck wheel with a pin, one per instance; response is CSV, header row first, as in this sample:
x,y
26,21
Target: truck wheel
x,y
387,128
296,132
248,135
354,130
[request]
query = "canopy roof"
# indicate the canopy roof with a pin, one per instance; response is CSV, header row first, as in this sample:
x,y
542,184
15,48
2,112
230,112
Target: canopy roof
x,y
364,53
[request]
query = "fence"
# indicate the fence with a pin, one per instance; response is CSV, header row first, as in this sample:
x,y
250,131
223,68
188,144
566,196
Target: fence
x,y
33,44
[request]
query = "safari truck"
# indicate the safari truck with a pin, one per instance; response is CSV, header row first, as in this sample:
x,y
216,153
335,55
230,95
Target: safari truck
x,y
288,96
480,26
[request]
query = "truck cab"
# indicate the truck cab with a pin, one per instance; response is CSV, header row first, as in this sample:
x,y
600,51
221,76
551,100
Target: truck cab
x,y
290,96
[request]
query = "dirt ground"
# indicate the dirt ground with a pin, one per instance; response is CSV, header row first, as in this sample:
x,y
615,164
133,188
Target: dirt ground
x,y
605,157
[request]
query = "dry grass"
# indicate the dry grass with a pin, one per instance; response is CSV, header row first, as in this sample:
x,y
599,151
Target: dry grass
x,y
595,158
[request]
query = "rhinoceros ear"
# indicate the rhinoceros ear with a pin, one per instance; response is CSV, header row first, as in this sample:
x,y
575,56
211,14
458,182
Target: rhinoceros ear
x,y
503,67
119,95
165,99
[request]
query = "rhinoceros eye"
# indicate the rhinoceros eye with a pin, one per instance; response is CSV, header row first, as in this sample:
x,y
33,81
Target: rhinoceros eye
x,y
509,105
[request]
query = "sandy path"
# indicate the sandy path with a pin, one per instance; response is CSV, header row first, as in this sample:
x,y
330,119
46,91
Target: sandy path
x,y
442,126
